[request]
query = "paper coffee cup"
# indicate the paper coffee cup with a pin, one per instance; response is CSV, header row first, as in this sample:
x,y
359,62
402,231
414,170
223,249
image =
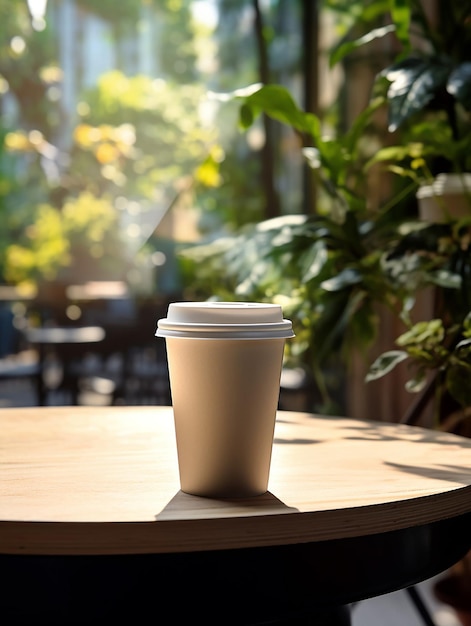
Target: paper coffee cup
x,y
225,362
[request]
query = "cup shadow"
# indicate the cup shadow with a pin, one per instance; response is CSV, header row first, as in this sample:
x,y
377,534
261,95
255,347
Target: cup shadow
x,y
187,506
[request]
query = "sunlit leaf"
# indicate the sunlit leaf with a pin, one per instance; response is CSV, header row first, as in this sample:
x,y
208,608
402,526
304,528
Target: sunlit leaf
x,y
106,153
277,102
17,141
208,174
346,278
414,82
390,153
459,84
417,384
243,92
86,135
444,278
314,261
312,156
465,345
347,47
385,363
276,223
432,331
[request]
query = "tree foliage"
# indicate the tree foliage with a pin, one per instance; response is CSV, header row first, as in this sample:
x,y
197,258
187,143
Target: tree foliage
x,y
138,137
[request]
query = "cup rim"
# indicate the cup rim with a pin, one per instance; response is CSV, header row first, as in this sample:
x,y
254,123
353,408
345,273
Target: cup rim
x,y
281,330
222,320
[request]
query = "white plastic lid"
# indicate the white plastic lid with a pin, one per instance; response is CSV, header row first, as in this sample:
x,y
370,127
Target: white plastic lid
x,y
224,320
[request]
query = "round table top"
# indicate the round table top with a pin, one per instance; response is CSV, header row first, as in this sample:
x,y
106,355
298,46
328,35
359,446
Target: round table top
x,y
104,480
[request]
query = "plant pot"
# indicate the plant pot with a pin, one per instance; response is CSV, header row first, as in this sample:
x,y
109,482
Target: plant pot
x,y
448,197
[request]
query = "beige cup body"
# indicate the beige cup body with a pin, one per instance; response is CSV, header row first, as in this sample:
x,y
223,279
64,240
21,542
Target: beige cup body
x,y
225,395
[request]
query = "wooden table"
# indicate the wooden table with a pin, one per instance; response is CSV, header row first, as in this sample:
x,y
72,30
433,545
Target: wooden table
x,y
92,516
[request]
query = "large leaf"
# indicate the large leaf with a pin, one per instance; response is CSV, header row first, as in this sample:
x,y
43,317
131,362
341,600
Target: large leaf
x,y
418,382
346,278
276,101
251,282
459,84
446,279
414,83
346,47
277,223
385,363
314,261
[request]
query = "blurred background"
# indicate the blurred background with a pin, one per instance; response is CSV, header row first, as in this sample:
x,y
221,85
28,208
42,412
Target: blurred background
x,y
123,161
117,150
162,150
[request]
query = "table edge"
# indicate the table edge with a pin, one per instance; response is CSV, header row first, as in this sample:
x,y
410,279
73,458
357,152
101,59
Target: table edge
x,y
193,535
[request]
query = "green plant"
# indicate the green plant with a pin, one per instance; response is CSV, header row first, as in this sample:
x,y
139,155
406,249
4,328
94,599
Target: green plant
x,y
160,121
82,238
333,271
325,269
430,346
427,88
428,95
436,255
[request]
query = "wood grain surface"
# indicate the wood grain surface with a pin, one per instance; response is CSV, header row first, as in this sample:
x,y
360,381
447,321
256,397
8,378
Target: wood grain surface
x,y
104,480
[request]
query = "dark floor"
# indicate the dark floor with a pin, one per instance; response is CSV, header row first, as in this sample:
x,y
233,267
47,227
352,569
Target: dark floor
x,y
396,609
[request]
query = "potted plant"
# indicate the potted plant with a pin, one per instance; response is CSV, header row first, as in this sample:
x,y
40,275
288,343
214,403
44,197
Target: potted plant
x,y
325,269
333,270
428,92
352,255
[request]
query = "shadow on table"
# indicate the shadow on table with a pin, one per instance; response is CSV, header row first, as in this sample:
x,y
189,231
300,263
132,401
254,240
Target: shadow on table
x,y
451,473
195,506
387,431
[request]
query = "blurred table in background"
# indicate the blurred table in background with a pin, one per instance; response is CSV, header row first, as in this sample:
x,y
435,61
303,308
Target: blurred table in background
x,y
66,363
98,290
101,302
68,345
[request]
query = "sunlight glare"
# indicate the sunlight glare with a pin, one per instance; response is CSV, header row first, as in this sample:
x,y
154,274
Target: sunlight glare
x,y
205,11
37,8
